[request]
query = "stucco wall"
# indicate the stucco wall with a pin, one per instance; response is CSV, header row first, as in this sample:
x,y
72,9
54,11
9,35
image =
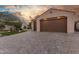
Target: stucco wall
x,y
71,18
32,26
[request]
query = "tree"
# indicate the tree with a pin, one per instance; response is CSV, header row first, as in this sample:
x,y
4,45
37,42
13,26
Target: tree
x,y
2,26
29,25
18,26
24,27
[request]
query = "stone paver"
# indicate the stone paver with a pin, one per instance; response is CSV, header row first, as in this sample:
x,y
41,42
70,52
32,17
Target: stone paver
x,y
40,43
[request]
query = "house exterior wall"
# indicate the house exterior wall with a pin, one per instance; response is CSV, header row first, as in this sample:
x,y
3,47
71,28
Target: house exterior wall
x,y
71,18
7,27
38,25
32,25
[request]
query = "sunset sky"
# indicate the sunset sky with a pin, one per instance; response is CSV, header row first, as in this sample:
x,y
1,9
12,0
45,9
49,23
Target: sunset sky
x,y
33,10
25,10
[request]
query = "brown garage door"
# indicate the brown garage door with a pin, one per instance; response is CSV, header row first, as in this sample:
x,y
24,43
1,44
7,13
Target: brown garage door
x,y
54,24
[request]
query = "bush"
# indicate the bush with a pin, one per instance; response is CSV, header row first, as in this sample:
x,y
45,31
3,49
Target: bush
x,y
2,26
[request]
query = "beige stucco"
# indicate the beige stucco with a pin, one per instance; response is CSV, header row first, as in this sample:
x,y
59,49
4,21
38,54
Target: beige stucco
x,y
71,18
32,25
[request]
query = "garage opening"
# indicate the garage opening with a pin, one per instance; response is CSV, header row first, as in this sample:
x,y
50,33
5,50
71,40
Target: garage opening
x,y
34,25
54,24
77,26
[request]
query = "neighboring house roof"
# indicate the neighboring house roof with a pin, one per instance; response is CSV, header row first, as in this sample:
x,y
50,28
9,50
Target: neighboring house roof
x,y
55,9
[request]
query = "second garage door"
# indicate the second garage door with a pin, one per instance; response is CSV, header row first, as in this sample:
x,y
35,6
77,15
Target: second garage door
x,y
54,24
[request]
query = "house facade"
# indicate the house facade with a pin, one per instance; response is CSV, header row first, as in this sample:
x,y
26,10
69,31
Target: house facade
x,y
8,28
55,20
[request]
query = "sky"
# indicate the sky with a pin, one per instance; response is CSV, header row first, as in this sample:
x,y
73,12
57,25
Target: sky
x,y
26,10
33,10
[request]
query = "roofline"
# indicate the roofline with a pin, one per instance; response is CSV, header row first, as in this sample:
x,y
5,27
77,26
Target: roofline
x,y
63,10
55,9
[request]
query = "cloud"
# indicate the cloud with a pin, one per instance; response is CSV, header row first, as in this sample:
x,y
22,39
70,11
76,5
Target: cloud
x,y
9,6
34,10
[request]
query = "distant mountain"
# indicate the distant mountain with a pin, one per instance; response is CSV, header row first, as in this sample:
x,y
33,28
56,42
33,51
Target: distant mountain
x,y
8,16
6,13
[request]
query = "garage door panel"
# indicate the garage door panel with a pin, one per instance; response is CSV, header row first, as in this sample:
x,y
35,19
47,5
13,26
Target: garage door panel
x,y
54,25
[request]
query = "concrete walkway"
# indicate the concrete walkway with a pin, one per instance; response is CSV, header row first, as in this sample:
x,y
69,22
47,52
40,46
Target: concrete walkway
x,y
40,42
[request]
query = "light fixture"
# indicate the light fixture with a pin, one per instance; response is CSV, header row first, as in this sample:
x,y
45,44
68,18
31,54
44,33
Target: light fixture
x,y
58,17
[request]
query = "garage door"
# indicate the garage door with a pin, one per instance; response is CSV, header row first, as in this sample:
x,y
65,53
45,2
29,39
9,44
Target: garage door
x,y
54,24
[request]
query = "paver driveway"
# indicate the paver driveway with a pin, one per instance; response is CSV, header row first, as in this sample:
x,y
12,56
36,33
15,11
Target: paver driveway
x,y
40,42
